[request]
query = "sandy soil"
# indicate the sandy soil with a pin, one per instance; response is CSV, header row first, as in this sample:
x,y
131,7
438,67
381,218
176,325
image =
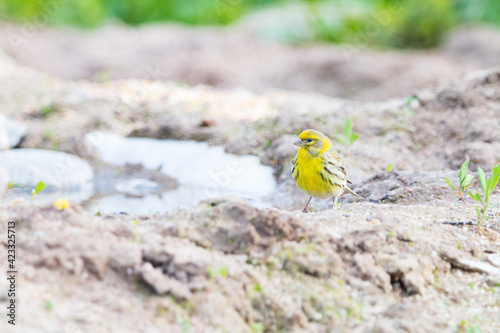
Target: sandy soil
x,y
406,259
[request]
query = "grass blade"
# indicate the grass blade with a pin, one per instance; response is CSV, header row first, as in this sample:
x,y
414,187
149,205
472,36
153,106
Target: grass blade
x,y
354,137
494,179
341,139
450,183
468,179
348,127
463,170
482,179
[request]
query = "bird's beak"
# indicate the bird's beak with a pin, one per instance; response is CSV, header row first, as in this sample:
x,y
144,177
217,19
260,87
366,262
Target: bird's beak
x,y
299,143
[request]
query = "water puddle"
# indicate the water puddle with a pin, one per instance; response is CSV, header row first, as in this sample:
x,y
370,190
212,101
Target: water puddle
x,y
201,171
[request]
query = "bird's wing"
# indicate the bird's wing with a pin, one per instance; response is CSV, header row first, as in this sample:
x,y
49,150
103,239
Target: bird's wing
x,y
334,166
335,160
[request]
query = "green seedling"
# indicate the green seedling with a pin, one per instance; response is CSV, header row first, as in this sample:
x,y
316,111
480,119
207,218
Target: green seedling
x,y
49,135
487,186
47,110
38,188
214,272
465,181
466,328
257,327
349,137
186,324
49,305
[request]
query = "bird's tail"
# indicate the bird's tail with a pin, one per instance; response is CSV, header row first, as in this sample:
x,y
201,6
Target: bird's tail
x,y
348,190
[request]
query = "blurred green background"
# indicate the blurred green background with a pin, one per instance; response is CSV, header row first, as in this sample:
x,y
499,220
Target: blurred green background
x,y
379,23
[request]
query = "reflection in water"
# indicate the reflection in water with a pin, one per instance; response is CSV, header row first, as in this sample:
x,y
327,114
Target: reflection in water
x,y
64,175
202,172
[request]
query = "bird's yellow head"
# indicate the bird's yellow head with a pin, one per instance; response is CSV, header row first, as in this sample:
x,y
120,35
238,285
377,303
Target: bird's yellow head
x,y
314,142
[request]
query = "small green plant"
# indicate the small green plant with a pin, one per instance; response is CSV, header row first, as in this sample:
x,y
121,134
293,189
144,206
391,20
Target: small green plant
x,y
487,186
47,110
49,305
267,143
409,101
49,135
214,272
389,168
38,188
349,137
465,181
257,327
467,328
186,324
258,288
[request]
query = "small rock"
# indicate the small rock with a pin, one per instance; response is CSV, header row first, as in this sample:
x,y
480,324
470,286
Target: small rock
x,y
371,271
413,282
405,270
96,264
163,284
11,132
124,255
476,266
494,259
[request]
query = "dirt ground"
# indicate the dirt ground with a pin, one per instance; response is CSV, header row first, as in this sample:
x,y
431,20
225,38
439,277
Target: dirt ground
x,y
408,258
233,57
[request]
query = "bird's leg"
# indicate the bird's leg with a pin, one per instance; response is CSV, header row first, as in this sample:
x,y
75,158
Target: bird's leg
x,y
305,208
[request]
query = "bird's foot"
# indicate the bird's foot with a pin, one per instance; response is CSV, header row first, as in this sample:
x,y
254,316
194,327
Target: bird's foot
x,y
305,211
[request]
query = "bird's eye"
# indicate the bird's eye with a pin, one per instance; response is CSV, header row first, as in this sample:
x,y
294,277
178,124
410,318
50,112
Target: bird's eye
x,y
309,140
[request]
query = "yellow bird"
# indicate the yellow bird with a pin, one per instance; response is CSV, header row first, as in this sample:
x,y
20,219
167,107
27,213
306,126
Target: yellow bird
x,y
317,168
